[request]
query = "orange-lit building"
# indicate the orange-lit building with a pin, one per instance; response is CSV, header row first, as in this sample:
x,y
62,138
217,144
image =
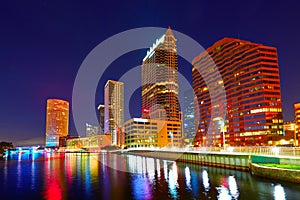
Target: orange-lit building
x,y
297,120
93,143
57,121
140,132
160,81
250,78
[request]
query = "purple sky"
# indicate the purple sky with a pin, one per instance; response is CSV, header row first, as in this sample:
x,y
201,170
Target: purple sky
x,y
43,44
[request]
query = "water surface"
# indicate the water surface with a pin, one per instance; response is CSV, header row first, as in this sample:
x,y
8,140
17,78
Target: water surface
x,y
84,176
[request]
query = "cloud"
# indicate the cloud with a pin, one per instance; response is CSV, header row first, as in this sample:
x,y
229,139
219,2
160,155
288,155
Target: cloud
x,y
29,142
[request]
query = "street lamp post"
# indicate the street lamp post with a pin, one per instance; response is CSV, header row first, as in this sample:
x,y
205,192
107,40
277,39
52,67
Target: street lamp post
x,y
171,135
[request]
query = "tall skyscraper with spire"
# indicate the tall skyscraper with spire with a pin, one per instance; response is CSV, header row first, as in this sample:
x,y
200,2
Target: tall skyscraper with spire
x,y
160,83
160,80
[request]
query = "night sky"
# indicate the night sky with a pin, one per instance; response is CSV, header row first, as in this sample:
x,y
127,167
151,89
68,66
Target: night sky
x,y
43,44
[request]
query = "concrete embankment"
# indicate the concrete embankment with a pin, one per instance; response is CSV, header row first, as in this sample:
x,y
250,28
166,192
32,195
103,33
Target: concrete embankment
x,y
275,173
232,161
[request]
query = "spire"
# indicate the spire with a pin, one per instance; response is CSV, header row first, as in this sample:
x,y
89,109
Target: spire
x,y
169,31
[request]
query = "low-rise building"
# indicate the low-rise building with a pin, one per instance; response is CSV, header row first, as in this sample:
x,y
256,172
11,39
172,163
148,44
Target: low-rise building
x,y
92,143
141,132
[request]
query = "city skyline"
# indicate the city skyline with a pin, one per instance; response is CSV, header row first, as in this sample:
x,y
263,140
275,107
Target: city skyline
x,y
46,65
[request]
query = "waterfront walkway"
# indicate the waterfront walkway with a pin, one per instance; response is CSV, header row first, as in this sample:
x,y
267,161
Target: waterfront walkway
x,y
260,150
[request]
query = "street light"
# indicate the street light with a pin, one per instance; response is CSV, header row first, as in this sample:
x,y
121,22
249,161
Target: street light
x,y
171,136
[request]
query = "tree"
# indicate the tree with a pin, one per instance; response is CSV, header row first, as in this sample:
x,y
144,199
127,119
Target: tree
x,y
4,146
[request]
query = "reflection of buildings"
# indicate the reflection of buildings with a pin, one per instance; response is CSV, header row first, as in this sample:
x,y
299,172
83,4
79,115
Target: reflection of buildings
x,y
113,109
189,117
141,132
101,117
250,77
91,130
57,121
160,80
92,143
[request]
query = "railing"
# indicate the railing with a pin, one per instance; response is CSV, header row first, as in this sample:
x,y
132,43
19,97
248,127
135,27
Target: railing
x,y
253,150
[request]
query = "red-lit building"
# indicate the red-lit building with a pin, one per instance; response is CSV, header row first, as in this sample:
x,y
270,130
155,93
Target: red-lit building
x,y
297,120
250,107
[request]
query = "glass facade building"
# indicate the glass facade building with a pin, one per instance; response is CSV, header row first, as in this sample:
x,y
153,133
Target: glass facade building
x,y
57,121
145,133
250,79
113,109
189,116
160,80
101,117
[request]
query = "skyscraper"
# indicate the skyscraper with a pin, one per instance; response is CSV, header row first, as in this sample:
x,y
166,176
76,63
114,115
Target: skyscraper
x,y
250,78
159,79
189,116
101,117
160,82
57,121
113,108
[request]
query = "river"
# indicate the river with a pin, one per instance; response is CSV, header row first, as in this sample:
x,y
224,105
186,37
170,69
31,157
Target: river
x,y
111,176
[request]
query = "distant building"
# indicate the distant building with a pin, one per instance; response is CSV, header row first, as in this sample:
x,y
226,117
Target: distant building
x,y
297,120
113,108
287,139
57,121
101,118
189,117
141,132
250,78
93,143
91,130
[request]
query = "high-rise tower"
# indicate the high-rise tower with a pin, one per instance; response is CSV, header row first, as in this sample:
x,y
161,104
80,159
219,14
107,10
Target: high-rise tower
x,y
250,78
160,84
101,117
159,79
57,121
113,108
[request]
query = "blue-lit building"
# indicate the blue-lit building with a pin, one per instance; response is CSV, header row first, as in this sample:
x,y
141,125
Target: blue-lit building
x,y
189,116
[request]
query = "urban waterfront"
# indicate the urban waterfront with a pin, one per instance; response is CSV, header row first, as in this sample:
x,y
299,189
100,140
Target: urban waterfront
x,y
84,176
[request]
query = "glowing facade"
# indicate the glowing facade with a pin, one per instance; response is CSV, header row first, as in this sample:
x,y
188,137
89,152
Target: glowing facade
x,y
91,130
113,109
57,121
140,132
297,121
92,143
159,80
297,113
250,77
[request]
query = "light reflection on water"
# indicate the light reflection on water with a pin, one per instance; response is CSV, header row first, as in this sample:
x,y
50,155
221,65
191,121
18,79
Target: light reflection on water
x,y
279,193
83,176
